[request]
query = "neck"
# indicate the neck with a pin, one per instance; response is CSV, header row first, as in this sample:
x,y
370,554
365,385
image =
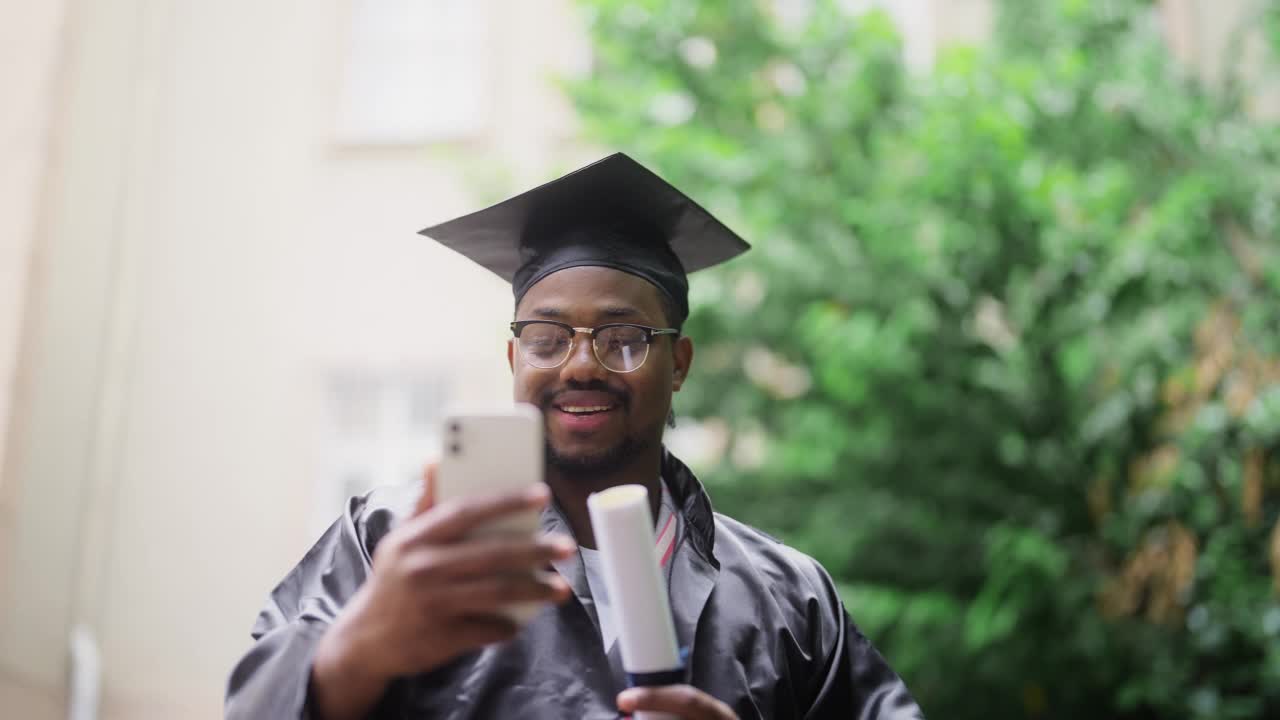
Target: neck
x,y
571,491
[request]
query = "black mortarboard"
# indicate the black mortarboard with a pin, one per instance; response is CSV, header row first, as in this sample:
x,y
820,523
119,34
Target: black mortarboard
x,y
613,213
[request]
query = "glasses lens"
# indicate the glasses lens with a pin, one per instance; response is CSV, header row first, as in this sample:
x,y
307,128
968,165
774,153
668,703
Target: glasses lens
x,y
622,348
544,345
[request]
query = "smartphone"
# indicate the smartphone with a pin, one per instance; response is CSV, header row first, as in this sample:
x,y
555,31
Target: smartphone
x,y
489,452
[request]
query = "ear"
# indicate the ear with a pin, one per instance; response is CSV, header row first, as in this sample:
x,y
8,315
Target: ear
x,y
511,355
682,352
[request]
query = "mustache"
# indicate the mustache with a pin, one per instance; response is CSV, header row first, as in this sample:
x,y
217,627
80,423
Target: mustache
x,y
550,395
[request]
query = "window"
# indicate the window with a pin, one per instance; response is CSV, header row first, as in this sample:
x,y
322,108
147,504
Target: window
x,y
379,429
415,71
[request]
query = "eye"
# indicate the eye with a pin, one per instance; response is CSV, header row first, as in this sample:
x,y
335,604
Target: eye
x,y
615,339
543,339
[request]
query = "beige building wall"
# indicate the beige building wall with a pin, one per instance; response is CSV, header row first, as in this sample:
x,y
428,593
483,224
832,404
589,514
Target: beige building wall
x,y
1220,38
206,241
213,248
31,43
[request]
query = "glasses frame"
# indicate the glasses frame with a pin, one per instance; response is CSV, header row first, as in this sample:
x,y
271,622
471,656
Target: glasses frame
x,y
518,326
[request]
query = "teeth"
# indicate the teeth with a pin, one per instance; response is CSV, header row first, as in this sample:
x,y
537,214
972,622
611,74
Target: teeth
x,y
584,408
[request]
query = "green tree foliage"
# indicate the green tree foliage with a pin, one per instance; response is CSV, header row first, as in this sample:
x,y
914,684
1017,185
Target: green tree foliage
x,y
1006,356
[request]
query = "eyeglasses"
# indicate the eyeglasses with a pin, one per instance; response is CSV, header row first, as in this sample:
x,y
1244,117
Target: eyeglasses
x,y
620,347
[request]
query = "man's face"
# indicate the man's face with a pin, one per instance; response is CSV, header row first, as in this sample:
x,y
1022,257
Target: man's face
x,y
597,420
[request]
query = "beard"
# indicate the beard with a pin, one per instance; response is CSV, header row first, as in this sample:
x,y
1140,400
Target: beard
x,y
594,465
601,463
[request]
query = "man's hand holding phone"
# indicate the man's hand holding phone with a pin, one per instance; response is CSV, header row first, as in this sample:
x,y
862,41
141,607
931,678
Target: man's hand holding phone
x,y
435,594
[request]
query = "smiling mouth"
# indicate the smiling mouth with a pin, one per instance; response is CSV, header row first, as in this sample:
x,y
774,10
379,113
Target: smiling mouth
x,y
584,409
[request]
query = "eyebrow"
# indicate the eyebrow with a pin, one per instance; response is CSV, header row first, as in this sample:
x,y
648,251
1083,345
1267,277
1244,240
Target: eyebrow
x,y
549,312
616,311
608,311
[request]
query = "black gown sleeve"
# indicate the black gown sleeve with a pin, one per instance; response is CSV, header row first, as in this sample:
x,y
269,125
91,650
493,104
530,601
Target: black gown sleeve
x,y
858,683
272,679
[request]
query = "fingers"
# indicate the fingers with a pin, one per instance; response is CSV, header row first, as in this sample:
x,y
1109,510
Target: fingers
x,y
495,555
683,701
488,595
450,521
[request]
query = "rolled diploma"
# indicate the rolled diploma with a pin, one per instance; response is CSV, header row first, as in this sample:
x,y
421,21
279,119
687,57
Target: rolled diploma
x,y
623,526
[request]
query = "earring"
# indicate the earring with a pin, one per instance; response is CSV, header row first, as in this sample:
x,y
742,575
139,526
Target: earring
x,y
671,418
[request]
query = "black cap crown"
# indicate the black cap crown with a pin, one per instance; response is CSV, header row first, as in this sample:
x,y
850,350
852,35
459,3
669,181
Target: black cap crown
x,y
613,213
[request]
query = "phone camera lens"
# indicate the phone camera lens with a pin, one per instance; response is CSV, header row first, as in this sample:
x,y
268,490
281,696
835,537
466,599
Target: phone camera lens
x,y
454,427
455,448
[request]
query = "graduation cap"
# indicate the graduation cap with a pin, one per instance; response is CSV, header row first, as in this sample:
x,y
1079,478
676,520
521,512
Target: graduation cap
x,y
613,213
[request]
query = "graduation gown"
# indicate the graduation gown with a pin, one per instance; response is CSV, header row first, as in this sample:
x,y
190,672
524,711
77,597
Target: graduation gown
x,y
765,631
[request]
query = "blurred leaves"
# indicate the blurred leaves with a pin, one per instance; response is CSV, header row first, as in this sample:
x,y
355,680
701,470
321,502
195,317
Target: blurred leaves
x,y
1006,355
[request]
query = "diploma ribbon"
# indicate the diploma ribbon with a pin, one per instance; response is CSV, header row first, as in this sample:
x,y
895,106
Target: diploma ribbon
x,y
666,542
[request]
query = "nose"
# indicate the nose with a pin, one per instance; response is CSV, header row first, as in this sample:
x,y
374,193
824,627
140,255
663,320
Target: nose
x,y
582,365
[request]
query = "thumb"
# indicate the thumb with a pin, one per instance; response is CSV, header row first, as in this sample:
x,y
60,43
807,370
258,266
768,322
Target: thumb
x,y
428,498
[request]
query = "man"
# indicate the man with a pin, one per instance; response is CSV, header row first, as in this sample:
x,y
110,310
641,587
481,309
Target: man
x,y
395,614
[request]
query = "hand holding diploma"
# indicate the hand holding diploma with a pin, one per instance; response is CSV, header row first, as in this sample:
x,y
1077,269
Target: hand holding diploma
x,y
679,701
623,527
